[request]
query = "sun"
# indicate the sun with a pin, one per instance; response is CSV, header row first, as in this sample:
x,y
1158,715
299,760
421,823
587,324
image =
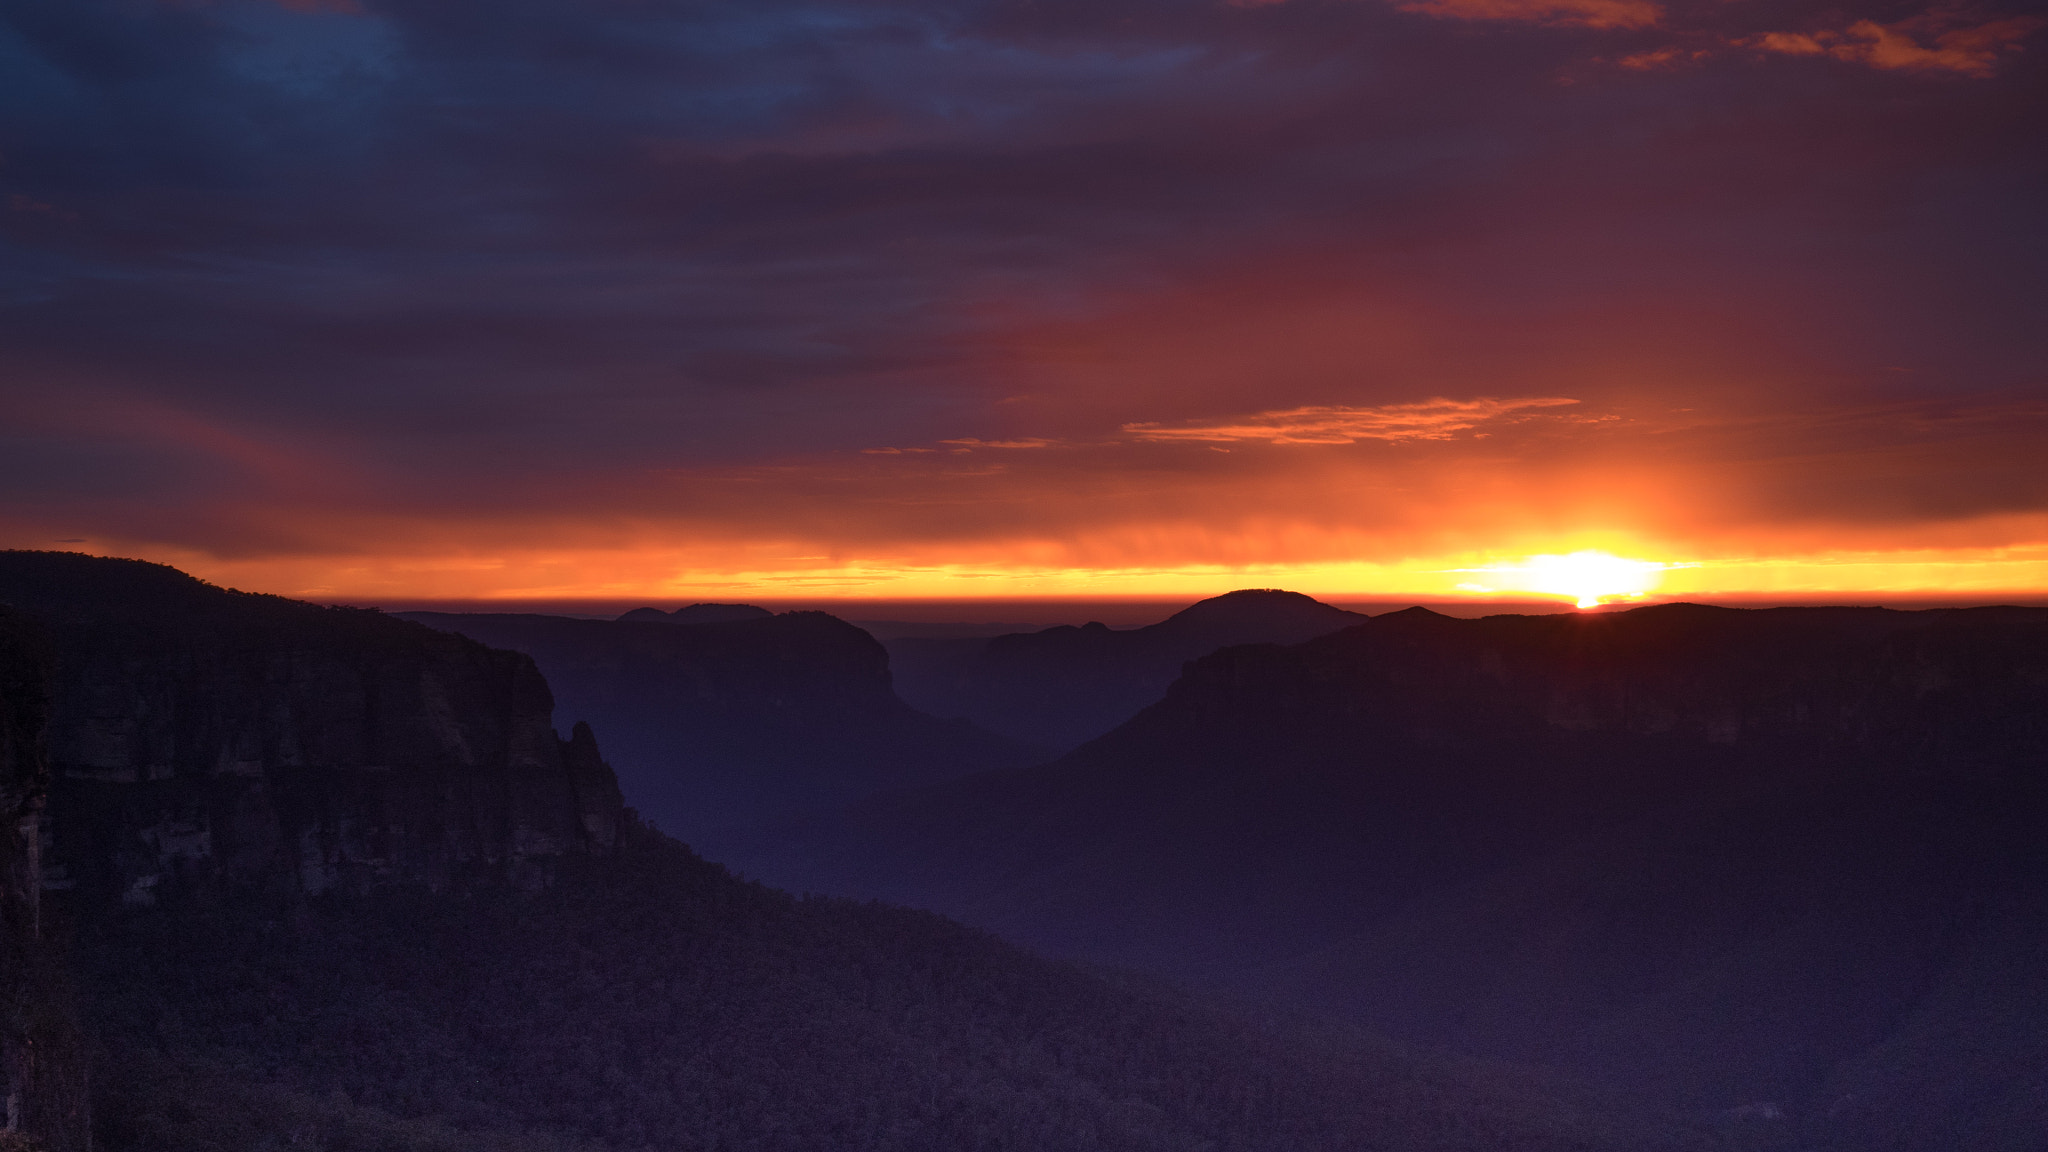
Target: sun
x,y
1590,578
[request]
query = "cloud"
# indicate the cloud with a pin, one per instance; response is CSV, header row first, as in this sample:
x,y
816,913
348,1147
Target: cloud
x,y
1429,420
1924,43
1937,40
1649,61
1586,13
467,276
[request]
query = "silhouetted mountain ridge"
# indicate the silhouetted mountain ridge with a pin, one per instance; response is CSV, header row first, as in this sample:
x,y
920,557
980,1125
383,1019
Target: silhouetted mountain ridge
x,y
1066,685
698,614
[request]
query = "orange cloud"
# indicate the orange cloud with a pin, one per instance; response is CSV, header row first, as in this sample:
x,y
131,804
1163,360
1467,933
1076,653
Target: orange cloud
x,y
1430,420
1587,13
1021,442
1898,498
1967,51
1646,61
1789,43
1662,58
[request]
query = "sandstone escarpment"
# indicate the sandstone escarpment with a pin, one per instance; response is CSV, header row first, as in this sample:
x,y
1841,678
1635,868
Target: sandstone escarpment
x,y
202,736
42,1062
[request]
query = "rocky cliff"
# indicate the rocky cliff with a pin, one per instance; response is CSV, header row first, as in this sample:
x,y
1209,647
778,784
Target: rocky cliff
x,y
42,1062
199,735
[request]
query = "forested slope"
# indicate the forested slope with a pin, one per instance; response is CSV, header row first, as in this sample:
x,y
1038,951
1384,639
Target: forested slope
x,y
649,1000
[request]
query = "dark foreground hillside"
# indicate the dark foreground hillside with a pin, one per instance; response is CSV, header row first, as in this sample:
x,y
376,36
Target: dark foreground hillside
x,y
650,1001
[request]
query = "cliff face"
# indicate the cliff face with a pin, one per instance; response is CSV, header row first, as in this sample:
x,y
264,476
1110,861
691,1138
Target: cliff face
x,y
42,1062
202,735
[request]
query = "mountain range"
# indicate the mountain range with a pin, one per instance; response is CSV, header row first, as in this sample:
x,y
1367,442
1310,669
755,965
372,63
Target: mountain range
x,y
1677,877
281,875
1065,685
1775,863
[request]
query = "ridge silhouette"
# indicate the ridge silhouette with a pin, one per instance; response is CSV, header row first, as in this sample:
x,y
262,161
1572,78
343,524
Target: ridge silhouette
x,y
1719,858
698,614
1066,685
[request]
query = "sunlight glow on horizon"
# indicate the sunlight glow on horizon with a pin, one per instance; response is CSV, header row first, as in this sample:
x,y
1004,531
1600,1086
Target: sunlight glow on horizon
x,y
1582,574
1589,576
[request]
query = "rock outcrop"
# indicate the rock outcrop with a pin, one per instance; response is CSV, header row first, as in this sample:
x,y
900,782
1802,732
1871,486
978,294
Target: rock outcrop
x,y
202,736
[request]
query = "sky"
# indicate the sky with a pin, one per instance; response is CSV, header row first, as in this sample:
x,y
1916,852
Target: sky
x,y
450,299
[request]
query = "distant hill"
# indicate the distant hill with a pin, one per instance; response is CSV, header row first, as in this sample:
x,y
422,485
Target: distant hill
x,y
740,721
325,886
698,614
1067,685
1724,858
